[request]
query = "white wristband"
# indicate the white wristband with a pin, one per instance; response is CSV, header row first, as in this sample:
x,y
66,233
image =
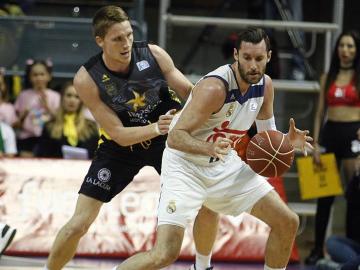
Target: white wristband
x,y
267,124
157,130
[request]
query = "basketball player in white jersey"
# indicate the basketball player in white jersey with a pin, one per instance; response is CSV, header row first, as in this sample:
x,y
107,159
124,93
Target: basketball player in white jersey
x,y
200,167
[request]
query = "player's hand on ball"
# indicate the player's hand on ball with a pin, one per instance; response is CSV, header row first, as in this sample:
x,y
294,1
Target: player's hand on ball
x,y
299,138
221,147
164,122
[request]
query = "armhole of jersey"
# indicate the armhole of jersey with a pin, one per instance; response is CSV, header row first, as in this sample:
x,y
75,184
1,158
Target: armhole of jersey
x,y
156,62
226,84
264,86
92,61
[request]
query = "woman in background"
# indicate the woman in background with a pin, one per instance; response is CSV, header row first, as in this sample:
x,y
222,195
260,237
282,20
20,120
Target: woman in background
x,y
69,127
7,110
35,106
339,104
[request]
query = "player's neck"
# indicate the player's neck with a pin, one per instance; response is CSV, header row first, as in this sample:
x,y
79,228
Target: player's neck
x,y
243,85
115,66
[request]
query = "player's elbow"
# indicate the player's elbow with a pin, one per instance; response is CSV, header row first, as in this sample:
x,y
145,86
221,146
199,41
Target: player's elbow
x,y
120,140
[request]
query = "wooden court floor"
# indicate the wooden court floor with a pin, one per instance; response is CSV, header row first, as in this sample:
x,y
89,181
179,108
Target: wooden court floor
x,y
19,263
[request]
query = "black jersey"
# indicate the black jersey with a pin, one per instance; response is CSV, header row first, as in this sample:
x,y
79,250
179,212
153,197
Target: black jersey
x,y
138,97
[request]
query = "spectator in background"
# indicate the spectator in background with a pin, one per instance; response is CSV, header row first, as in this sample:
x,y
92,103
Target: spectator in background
x,y
7,110
7,9
344,254
291,10
339,104
69,127
35,106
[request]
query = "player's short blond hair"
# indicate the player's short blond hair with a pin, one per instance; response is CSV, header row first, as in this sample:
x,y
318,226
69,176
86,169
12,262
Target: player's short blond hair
x,y
105,17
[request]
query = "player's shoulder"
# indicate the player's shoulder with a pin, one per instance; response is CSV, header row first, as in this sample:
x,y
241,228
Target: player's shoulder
x,y
223,76
267,81
213,86
222,71
82,78
157,51
92,61
154,48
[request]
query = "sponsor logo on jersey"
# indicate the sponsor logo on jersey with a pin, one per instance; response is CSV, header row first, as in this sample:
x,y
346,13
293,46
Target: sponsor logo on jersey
x,y
253,106
105,78
142,65
230,110
137,101
355,146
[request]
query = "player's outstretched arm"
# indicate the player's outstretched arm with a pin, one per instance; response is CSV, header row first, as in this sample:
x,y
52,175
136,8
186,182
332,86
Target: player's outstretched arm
x,y
175,79
107,118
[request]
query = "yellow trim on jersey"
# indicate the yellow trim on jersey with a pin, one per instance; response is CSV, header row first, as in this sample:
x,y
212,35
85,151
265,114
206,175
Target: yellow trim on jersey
x,y
102,132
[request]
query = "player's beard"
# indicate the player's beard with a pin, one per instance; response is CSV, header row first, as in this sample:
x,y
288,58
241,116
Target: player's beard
x,y
246,77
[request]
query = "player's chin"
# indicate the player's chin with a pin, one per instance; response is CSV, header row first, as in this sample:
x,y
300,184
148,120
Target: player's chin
x,y
253,78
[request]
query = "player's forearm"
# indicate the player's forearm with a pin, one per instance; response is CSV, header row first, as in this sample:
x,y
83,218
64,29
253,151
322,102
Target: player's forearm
x,y
181,140
126,136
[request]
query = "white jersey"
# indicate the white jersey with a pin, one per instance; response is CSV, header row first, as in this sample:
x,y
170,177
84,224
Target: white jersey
x,y
235,117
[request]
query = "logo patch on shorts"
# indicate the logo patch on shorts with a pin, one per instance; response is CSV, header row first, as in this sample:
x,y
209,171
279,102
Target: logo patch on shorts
x,y
171,208
104,175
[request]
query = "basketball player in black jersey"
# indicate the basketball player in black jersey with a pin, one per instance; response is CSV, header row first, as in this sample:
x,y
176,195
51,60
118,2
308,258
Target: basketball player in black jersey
x,y
126,89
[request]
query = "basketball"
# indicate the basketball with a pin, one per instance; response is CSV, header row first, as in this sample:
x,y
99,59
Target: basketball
x,y
270,153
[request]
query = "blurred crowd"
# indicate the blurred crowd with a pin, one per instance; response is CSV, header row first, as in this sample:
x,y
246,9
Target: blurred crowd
x,y
40,120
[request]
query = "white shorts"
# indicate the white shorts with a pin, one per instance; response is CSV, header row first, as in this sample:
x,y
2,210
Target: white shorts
x,y
228,187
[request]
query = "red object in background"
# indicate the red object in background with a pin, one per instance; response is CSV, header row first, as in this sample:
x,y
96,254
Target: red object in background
x,y
40,197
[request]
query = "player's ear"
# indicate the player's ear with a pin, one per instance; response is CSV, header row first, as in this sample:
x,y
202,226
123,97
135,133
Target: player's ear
x,y
269,56
99,41
236,55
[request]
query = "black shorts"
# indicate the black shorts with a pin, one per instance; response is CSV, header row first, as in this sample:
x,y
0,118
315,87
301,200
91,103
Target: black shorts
x,y
114,167
341,139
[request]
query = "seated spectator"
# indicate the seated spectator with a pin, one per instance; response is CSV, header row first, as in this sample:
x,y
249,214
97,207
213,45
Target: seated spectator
x,y
35,106
69,127
7,110
344,254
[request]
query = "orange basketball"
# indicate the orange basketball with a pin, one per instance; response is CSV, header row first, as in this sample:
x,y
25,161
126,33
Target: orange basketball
x,y
270,153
